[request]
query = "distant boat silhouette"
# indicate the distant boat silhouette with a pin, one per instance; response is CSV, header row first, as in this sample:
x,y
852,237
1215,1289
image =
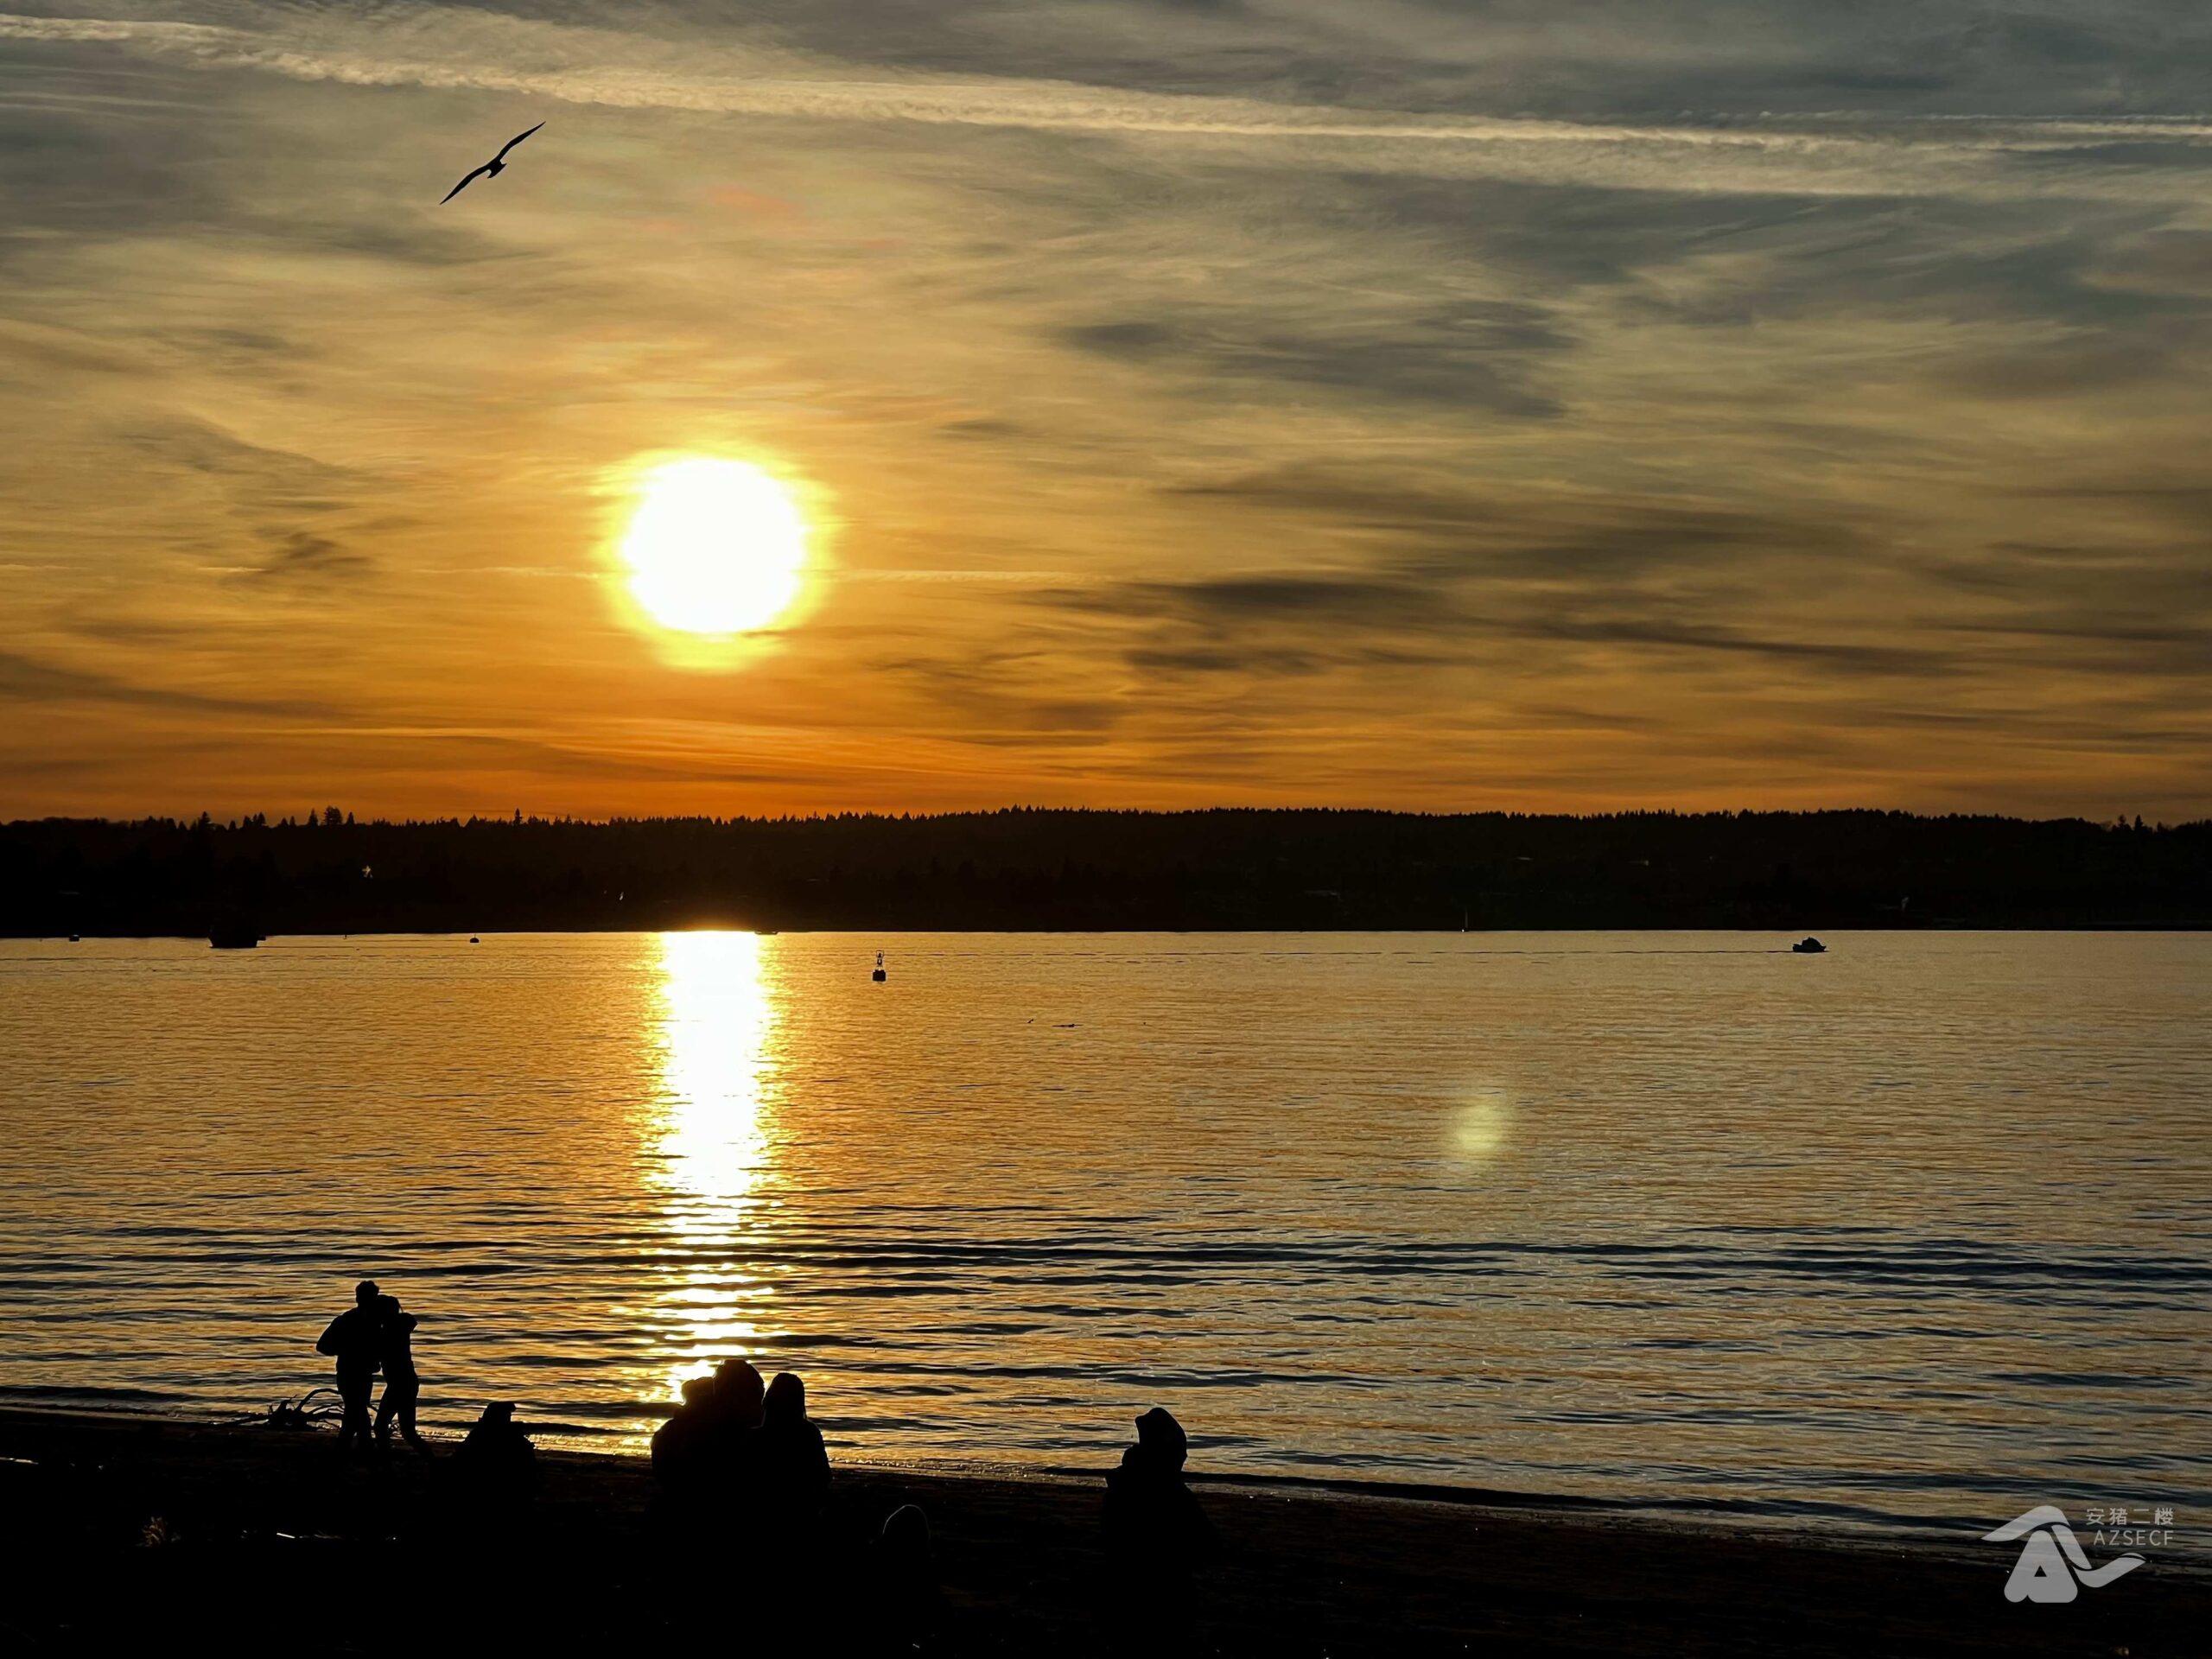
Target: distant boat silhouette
x,y
764,932
73,938
1808,946
237,936
879,976
473,939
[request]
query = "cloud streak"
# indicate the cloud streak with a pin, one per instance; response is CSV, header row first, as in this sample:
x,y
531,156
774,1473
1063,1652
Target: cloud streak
x,y
1824,153
1689,401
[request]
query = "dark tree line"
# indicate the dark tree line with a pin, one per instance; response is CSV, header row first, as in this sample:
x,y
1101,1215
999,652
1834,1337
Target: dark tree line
x,y
1024,869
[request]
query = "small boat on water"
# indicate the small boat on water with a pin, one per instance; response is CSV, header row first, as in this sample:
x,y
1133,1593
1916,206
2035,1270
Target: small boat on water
x,y
879,976
234,939
1808,946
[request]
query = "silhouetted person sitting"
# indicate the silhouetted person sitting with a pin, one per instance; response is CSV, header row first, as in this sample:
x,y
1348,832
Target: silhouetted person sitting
x,y
790,1464
1156,1532
901,1606
355,1340
497,1460
402,1387
684,1445
733,1422
740,1395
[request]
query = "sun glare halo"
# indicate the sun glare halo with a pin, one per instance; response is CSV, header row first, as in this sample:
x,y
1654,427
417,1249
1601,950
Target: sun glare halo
x,y
714,547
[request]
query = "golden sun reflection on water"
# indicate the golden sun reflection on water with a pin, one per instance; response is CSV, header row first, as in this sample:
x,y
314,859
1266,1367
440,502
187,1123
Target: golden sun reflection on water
x,y
714,1149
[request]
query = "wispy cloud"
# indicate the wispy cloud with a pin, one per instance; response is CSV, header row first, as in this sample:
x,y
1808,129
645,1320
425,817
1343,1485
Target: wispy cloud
x,y
455,49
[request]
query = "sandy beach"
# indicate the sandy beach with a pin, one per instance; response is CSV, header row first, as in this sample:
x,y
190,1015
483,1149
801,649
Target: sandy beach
x,y
131,1531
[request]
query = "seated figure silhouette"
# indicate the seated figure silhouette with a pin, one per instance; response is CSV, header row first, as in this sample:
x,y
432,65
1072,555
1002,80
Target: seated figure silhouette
x,y
497,1461
684,1445
901,1607
402,1387
790,1466
734,1426
1156,1534
355,1340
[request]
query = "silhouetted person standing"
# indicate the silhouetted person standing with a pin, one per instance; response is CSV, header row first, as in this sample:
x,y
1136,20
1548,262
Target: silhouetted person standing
x,y
402,1387
791,1465
1156,1534
355,1340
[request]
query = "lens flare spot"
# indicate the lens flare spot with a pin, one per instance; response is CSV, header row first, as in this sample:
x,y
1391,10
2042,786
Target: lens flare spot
x,y
1482,1128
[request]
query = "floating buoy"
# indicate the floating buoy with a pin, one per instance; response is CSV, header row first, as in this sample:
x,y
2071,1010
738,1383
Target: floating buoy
x,y
879,976
473,939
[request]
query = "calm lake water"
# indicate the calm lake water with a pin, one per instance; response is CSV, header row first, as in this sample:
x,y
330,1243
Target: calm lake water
x,y
1920,1228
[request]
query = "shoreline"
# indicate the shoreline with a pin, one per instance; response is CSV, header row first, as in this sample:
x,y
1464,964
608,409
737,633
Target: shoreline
x,y
1346,1567
1840,1524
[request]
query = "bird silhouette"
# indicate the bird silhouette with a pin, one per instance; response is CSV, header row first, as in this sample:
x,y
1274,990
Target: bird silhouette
x,y
491,169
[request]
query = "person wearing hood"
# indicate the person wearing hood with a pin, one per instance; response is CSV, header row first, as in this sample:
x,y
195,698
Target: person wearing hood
x,y
1152,1516
1156,1535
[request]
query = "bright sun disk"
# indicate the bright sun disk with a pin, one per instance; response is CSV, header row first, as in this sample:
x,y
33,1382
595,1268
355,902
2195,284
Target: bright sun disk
x,y
714,547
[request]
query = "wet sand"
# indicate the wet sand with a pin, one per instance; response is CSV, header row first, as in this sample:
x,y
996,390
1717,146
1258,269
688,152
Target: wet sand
x,y
123,1532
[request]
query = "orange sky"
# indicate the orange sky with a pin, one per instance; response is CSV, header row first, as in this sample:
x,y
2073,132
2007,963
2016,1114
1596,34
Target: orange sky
x,y
1253,404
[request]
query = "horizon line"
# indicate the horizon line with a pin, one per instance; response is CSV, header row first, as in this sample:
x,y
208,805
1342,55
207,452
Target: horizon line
x,y
318,818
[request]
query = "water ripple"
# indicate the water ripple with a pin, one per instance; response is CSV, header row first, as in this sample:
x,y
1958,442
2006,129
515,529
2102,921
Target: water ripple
x,y
1919,1229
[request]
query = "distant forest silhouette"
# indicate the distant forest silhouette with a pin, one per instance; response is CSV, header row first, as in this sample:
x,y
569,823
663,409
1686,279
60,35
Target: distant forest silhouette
x,y
1070,869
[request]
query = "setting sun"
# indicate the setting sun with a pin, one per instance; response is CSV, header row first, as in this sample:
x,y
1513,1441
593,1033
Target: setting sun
x,y
714,547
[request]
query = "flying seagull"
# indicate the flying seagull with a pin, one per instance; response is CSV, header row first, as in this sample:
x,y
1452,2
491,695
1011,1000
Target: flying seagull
x,y
491,169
